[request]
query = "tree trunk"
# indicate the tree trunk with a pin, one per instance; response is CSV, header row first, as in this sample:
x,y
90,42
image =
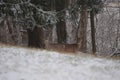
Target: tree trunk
x,y
61,32
36,38
93,32
83,29
61,24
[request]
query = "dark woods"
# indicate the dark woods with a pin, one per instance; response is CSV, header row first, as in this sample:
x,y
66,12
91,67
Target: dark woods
x,y
39,23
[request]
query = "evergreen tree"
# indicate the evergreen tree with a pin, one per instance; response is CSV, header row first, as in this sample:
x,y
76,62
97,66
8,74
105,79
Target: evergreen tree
x,y
93,7
31,14
83,25
61,24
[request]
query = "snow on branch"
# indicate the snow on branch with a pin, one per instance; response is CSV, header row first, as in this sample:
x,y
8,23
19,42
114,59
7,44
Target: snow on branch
x,y
27,13
21,3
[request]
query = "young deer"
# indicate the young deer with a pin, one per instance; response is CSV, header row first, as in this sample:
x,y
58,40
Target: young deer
x,y
63,47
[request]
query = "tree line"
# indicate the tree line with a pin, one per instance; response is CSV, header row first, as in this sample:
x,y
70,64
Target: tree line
x,y
66,20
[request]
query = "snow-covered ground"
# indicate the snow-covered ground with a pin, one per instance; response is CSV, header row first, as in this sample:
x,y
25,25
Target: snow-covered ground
x,y
25,64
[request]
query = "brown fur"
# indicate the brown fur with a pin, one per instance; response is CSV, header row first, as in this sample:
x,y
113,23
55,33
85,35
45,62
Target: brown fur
x,y
72,48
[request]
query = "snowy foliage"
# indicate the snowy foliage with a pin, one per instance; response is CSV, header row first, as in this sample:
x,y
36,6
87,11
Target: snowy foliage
x,y
30,13
26,13
96,5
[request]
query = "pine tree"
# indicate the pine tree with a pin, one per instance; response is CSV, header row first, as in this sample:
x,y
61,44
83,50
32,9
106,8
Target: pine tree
x,y
32,15
83,25
93,7
61,25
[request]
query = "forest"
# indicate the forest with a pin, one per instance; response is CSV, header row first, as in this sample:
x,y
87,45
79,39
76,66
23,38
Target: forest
x,y
59,39
88,26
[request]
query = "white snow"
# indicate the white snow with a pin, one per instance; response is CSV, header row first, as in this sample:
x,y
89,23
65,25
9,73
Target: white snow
x,y
25,64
